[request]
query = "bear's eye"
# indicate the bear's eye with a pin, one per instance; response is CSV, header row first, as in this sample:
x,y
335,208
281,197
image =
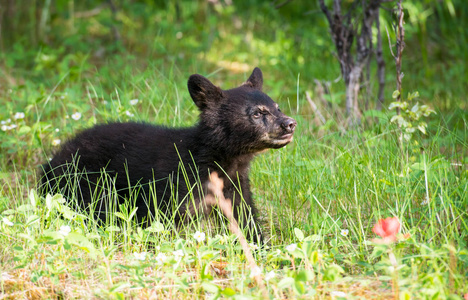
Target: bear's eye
x,y
257,114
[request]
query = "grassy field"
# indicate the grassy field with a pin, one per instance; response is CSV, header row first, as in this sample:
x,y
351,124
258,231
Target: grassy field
x,y
319,198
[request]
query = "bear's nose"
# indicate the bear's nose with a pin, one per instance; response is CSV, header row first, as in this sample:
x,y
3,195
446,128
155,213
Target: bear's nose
x,y
289,125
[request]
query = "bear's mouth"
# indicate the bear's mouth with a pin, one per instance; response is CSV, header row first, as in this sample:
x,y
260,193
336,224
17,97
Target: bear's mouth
x,y
282,140
287,136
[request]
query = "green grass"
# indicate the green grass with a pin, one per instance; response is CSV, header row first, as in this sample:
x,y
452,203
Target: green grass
x,y
307,193
324,192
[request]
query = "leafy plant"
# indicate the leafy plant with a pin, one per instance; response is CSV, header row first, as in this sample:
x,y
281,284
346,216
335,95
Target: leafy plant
x,y
411,114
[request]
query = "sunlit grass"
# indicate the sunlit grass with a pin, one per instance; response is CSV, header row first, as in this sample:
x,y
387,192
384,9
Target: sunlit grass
x,y
318,198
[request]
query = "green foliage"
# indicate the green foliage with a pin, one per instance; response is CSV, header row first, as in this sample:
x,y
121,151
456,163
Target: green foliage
x,y
318,198
411,112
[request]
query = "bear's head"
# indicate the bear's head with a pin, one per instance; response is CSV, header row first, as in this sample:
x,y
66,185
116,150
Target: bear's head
x,y
243,119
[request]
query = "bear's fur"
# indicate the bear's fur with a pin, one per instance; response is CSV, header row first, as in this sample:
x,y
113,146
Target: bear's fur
x,y
168,168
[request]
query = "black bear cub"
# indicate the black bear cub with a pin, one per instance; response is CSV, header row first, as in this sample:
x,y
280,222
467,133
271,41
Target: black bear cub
x,y
166,170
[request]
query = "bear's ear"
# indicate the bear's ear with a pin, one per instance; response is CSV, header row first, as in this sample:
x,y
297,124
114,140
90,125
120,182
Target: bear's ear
x,y
202,91
256,79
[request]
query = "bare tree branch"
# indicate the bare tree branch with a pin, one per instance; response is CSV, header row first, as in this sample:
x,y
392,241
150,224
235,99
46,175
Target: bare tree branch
x,y
380,64
282,4
400,45
216,197
325,10
315,108
115,31
390,43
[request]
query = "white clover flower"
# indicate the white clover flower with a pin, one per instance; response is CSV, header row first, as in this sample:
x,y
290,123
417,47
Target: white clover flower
x,y
9,127
344,232
338,294
256,272
140,256
3,122
134,101
129,114
178,254
253,246
199,236
270,275
6,277
291,247
57,130
7,221
18,116
161,258
56,142
76,116
224,239
64,230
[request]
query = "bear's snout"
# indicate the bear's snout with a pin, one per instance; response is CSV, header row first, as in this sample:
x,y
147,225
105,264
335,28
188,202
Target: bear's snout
x,y
289,125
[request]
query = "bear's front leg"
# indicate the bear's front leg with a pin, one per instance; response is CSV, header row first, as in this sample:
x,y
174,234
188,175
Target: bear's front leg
x,y
236,205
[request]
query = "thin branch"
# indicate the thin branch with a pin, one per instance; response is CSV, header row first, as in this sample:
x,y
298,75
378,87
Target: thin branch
x,y
282,4
88,13
400,44
325,10
114,11
216,197
380,64
390,43
315,108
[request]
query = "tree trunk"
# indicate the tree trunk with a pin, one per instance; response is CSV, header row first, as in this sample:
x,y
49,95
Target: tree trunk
x,y
344,29
352,92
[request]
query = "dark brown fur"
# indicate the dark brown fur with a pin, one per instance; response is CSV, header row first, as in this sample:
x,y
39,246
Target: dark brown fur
x,y
147,161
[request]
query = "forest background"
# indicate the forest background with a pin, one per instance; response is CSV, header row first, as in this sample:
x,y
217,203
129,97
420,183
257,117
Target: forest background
x,y
66,65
